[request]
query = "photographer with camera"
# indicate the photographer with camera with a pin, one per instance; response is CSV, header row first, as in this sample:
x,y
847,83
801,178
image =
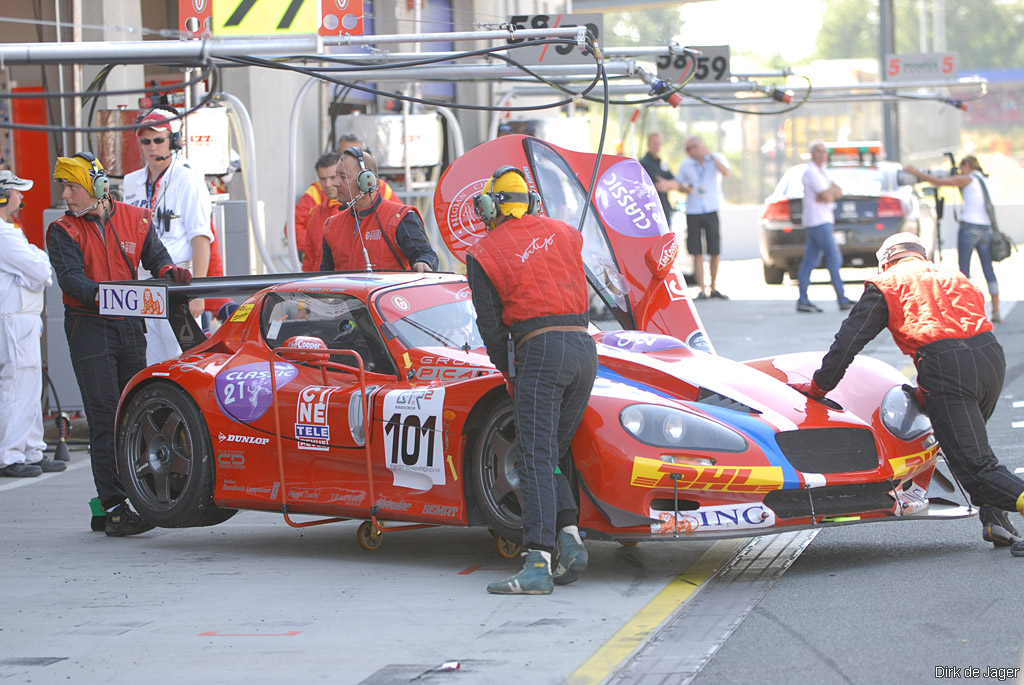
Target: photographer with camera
x,y
975,232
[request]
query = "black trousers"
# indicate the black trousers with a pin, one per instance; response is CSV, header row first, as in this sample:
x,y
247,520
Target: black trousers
x,y
962,380
105,354
555,372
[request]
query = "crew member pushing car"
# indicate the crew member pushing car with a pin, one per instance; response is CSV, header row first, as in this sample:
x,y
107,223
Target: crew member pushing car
x,y
530,293
938,318
98,240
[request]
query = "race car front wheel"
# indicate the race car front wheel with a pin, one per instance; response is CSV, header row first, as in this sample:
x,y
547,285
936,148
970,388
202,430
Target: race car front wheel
x,y
494,476
165,459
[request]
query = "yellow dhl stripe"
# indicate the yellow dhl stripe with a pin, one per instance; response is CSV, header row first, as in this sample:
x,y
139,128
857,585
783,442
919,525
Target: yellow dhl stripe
x,y
654,473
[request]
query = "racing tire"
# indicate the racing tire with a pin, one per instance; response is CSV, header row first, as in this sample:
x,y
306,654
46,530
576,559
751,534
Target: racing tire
x,y
370,538
165,459
773,275
494,478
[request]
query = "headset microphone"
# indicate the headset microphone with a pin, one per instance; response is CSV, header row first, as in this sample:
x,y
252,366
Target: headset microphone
x,y
160,159
86,210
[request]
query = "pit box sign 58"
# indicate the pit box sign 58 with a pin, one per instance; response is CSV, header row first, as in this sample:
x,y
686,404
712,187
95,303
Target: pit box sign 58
x,y
711,66
547,53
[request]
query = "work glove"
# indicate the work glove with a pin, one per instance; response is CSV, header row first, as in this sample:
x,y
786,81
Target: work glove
x,y
810,389
916,393
176,274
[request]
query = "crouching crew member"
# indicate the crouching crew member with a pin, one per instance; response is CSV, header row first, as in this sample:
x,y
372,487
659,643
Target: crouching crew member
x,y
937,316
374,234
98,240
530,293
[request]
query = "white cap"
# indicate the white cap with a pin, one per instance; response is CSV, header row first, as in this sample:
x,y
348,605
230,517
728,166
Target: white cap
x,y
9,180
899,245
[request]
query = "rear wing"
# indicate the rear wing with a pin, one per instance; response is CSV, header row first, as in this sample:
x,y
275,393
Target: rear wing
x,y
164,299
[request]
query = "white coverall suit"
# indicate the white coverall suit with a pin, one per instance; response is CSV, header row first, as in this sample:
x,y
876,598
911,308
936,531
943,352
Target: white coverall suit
x,y
24,275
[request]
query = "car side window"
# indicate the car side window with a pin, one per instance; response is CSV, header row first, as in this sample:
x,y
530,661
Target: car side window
x,y
340,321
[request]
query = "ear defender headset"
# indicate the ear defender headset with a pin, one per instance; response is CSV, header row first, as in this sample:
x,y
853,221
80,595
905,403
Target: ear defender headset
x,y
5,197
366,181
100,182
173,136
488,205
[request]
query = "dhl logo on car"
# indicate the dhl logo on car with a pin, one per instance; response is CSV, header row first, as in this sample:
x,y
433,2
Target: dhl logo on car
x,y
901,466
653,473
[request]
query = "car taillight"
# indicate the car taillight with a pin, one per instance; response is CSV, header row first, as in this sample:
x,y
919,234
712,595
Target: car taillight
x,y
777,211
889,207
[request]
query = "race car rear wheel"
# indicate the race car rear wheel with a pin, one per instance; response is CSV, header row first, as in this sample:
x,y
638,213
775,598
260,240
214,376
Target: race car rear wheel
x,y
165,459
494,477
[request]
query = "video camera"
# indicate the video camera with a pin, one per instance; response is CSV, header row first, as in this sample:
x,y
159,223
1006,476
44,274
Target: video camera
x,y
906,179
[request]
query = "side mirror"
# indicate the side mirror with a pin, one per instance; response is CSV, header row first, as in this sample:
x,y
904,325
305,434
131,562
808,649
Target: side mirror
x,y
662,255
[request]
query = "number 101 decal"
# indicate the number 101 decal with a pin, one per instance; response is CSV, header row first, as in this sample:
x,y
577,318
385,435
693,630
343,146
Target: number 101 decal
x,y
413,444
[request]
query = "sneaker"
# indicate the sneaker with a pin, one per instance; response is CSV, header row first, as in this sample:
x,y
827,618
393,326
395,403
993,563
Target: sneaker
x,y
534,579
570,556
51,466
1017,549
996,527
846,304
807,307
98,524
720,296
701,296
996,317
21,471
122,522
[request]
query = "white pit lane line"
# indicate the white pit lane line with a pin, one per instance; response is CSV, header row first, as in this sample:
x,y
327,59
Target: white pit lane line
x,y
21,482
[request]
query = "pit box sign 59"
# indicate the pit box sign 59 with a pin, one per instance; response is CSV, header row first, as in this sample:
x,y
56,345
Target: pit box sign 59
x,y
547,53
270,17
711,66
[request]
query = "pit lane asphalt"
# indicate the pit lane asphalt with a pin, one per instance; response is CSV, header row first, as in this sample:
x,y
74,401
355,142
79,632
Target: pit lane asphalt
x,y
253,599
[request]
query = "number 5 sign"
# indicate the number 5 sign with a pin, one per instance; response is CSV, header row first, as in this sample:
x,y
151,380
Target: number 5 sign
x,y
934,65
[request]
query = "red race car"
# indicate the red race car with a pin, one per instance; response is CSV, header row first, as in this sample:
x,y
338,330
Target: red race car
x,y
382,404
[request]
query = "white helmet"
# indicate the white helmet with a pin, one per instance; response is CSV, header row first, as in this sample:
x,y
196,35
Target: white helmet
x,y
898,246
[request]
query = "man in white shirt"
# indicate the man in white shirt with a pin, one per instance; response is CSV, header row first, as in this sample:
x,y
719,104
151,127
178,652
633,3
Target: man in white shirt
x,y
24,274
180,201
820,192
700,177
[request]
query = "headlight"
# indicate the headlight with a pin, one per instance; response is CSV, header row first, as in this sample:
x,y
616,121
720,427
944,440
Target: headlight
x,y
668,427
902,417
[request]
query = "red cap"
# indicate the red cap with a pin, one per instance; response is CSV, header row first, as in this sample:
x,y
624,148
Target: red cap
x,y
158,121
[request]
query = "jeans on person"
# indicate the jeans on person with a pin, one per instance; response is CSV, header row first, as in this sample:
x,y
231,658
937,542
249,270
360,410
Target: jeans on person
x,y
554,375
978,237
820,241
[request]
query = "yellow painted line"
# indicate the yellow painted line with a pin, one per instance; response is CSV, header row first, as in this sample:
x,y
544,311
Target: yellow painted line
x,y
632,635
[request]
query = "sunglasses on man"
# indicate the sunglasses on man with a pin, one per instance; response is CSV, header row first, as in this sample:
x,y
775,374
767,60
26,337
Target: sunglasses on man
x,y
155,141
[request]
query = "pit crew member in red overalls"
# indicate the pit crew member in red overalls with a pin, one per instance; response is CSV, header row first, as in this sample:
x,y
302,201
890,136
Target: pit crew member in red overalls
x,y
98,240
327,172
530,294
938,317
373,234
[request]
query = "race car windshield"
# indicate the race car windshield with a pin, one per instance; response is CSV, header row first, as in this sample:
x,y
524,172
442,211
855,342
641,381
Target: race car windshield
x,y
564,199
452,325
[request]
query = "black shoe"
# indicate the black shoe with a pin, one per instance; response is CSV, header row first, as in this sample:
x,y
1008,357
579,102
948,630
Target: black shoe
x,y
51,466
21,471
996,527
720,296
846,304
98,524
122,522
807,307
701,296
1017,549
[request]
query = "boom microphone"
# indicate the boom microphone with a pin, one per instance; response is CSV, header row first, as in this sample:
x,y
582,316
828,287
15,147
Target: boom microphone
x,y
160,159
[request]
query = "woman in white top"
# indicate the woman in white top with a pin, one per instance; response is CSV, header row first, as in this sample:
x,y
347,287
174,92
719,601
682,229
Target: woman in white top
x,y
975,225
